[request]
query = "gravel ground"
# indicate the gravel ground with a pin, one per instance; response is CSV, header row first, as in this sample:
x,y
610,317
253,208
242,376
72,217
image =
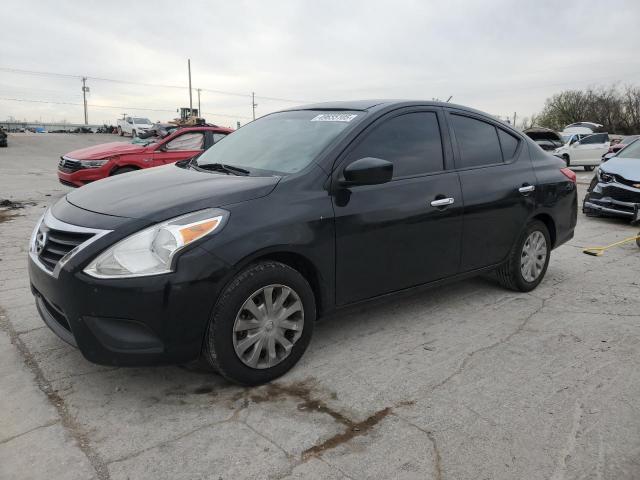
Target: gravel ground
x,y
467,381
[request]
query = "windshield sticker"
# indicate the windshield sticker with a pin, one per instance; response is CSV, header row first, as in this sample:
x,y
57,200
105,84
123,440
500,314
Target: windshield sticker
x,y
334,117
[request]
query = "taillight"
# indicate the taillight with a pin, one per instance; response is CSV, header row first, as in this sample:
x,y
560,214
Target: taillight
x,y
570,174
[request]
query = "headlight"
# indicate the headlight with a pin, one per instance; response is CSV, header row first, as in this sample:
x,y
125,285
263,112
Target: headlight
x,y
151,251
93,163
605,177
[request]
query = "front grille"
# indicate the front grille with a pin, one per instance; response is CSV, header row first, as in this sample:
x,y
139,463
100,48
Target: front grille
x,y
67,183
621,194
68,165
624,181
55,244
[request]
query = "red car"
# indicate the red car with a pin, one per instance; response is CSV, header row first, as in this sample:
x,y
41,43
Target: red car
x,y
89,164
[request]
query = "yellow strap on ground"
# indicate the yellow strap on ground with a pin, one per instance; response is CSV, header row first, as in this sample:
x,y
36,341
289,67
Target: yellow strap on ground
x,y
598,251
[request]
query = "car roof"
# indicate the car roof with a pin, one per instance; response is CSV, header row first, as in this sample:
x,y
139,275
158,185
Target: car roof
x,y
378,104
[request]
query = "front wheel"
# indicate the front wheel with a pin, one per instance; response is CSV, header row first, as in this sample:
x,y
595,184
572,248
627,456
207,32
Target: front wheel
x,y
261,325
588,168
528,261
120,132
133,134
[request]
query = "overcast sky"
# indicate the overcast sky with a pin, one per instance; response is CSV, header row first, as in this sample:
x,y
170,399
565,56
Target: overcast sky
x,y
497,56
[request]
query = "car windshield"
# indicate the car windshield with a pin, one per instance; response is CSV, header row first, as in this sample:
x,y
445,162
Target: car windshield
x,y
630,151
566,138
628,140
142,120
281,143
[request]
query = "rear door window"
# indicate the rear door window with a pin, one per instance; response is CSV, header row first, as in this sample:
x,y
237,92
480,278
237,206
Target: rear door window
x,y
477,140
410,141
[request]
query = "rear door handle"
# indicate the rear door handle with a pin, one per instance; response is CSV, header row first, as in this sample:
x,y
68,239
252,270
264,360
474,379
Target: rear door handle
x,y
442,202
527,188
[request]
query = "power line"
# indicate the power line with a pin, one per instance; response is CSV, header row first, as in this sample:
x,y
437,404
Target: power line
x,y
145,84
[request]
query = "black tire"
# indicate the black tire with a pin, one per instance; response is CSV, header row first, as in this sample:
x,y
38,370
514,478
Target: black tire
x,y
218,347
120,132
509,273
118,171
566,159
133,134
589,168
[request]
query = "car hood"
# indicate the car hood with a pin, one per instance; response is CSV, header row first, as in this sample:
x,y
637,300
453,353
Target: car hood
x,y
104,150
628,168
164,192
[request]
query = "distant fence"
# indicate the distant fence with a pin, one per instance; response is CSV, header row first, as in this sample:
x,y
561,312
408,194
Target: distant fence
x,y
46,126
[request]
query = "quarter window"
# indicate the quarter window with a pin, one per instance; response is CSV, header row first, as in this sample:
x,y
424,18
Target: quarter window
x,y
509,144
411,142
478,142
218,136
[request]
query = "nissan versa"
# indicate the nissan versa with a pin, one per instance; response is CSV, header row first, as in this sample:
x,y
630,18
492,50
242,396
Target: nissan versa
x,y
232,256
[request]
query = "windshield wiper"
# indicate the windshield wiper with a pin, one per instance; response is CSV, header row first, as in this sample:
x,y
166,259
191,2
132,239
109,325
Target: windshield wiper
x,y
223,167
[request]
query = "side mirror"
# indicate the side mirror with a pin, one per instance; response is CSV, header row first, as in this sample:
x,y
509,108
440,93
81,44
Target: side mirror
x,y
368,171
607,156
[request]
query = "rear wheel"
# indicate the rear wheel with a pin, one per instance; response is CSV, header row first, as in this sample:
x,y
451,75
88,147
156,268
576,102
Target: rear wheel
x,y
261,324
588,168
528,261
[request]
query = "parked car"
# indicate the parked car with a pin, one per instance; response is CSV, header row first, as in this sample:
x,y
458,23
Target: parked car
x,y
232,256
583,150
615,189
624,141
546,138
89,164
133,125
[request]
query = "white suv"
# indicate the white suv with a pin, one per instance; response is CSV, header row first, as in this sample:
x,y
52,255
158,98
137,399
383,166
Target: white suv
x,y
582,150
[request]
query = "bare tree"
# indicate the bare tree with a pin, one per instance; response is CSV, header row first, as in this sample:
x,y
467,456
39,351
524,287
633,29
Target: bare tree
x,y
618,110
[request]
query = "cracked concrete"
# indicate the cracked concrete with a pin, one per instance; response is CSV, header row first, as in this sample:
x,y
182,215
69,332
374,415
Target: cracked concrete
x,y
467,381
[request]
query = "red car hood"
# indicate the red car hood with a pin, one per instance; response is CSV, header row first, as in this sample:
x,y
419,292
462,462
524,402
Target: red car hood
x,y
105,150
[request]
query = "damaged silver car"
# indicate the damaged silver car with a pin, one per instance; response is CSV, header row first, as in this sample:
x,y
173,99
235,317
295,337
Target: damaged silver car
x,y
615,190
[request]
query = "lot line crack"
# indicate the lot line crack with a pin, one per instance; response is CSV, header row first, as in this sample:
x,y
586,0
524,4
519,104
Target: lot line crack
x,y
486,348
437,458
45,425
137,453
69,422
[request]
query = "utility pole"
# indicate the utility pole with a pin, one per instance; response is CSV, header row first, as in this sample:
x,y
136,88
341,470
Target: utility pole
x,y
85,89
199,111
514,119
190,98
253,104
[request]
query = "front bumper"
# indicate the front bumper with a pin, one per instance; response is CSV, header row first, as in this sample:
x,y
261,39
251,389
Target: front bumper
x,y
612,199
83,176
136,321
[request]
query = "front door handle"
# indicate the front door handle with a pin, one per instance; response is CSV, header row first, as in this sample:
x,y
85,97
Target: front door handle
x,y
442,202
527,188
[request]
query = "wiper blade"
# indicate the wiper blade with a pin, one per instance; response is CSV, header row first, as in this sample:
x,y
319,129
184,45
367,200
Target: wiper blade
x,y
223,167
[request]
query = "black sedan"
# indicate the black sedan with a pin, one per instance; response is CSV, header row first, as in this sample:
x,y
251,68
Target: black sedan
x,y
615,190
232,256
